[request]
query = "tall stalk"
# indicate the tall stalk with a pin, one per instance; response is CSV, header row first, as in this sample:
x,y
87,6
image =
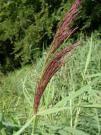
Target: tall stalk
x,y
55,58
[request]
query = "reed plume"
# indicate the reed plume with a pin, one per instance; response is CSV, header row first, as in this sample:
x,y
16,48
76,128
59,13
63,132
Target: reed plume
x,y
55,59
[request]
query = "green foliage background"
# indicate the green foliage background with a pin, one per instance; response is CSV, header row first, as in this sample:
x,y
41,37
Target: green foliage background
x,y
71,103
28,26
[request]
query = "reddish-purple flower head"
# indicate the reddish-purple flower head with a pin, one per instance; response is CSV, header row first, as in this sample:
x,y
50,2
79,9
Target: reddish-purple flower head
x,y
55,59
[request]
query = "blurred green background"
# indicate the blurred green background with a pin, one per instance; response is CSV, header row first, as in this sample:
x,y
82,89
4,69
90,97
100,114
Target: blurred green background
x,y
28,26
71,104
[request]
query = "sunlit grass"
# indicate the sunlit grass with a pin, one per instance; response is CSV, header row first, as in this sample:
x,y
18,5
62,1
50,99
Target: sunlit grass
x,y
71,104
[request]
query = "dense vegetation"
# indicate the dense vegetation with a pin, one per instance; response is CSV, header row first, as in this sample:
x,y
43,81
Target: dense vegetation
x,y
71,104
27,26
